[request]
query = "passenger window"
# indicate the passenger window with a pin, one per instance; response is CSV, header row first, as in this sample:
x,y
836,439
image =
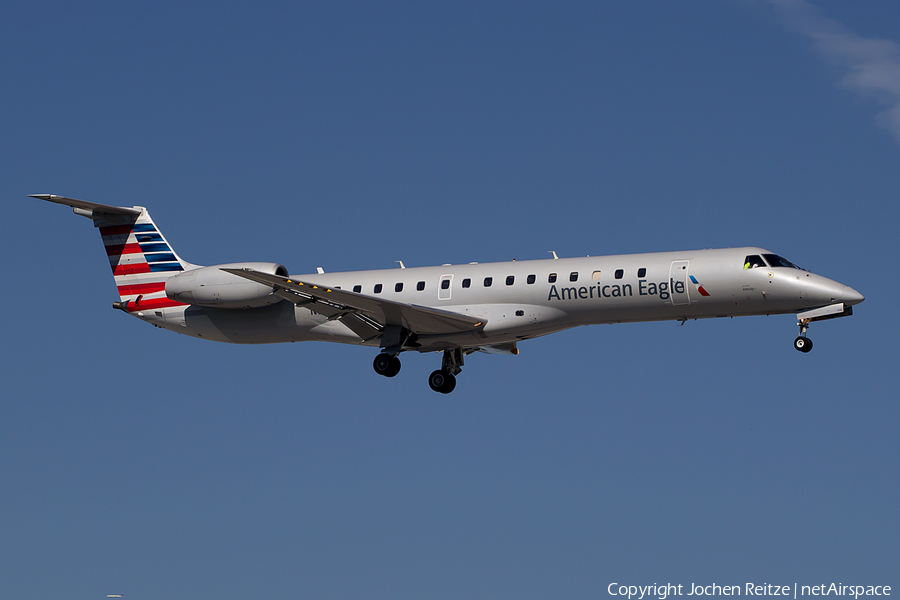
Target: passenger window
x,y
552,278
642,272
467,282
445,284
595,275
531,279
510,280
488,281
421,285
620,273
573,276
753,261
377,288
357,288
398,287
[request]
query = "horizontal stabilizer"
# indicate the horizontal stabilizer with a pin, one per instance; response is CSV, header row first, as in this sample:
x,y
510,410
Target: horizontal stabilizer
x,y
87,208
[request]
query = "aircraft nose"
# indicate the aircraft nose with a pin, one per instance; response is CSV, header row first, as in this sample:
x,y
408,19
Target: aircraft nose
x,y
822,291
851,296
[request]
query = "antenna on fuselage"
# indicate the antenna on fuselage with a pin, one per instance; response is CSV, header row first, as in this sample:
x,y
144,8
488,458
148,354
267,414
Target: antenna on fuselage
x,y
402,266
553,252
320,270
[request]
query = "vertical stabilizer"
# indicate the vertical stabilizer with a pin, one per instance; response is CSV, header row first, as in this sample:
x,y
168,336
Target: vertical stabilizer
x,y
139,255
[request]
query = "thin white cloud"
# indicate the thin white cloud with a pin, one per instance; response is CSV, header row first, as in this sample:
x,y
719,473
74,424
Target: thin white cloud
x,y
871,66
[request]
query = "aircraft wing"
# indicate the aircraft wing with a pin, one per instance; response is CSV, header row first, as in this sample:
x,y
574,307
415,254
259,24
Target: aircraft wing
x,y
365,315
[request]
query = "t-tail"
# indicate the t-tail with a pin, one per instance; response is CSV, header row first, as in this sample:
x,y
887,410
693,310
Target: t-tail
x,y
139,255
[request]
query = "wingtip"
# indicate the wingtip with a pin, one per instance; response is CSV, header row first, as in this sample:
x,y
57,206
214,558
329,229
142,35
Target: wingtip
x,y
41,196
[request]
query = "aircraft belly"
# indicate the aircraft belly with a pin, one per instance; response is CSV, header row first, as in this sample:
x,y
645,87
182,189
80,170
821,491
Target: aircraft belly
x,y
334,331
471,340
271,324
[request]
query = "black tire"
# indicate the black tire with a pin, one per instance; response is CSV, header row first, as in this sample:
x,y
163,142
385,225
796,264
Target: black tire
x,y
803,344
442,381
394,368
450,384
436,380
383,363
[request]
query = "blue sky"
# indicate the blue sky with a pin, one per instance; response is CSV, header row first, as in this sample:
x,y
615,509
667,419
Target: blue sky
x,y
352,135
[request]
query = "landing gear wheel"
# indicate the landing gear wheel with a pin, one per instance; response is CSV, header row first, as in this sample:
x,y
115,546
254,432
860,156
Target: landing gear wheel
x,y
451,383
395,366
803,344
387,365
442,381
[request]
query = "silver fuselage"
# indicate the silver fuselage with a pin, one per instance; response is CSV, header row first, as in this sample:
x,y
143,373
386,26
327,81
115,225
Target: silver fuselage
x,y
524,300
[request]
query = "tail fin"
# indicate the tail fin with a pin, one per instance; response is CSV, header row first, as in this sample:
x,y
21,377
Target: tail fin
x,y
140,257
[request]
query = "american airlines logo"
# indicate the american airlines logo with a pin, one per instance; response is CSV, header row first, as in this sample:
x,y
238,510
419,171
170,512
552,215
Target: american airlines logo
x,y
699,287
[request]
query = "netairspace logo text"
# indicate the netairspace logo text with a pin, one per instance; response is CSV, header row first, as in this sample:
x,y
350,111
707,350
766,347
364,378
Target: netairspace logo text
x,y
663,591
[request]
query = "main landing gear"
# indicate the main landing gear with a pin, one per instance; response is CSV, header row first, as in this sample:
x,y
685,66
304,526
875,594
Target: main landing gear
x,y
387,365
443,380
803,343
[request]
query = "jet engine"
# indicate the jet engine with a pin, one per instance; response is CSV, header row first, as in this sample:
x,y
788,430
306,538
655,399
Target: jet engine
x,y
212,287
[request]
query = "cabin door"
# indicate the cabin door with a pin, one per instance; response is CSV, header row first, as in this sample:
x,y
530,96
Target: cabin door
x,y
678,282
444,287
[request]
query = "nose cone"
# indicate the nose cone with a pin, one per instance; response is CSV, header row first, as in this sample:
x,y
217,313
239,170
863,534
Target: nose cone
x,y
821,291
851,296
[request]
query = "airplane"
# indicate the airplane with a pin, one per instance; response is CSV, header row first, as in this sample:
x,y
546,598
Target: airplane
x,y
452,309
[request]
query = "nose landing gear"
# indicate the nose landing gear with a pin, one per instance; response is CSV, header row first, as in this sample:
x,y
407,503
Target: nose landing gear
x,y
832,311
803,343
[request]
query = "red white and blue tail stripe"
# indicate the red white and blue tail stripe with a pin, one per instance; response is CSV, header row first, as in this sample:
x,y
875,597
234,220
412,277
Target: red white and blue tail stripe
x,y
141,261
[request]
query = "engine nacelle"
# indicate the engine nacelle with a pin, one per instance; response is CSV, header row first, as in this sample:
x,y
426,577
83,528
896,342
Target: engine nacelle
x,y
212,287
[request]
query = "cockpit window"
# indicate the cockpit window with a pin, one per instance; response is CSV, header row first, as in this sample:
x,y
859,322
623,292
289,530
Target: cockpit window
x,y
753,261
777,261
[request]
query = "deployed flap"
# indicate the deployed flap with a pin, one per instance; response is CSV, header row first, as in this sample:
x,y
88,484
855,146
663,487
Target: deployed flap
x,y
373,313
87,207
